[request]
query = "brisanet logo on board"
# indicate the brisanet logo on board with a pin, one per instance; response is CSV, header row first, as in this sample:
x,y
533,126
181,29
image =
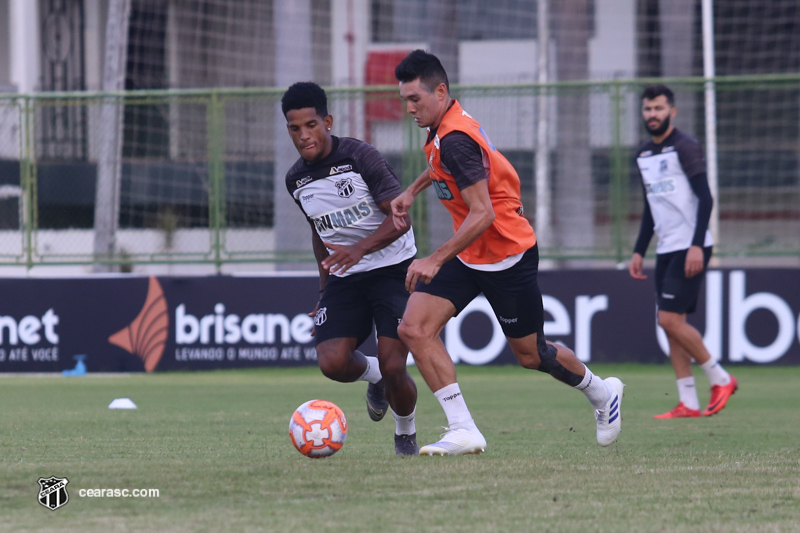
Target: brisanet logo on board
x,y
219,336
29,338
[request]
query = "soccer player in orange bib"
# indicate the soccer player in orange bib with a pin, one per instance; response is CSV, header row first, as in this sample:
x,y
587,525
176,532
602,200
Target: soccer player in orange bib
x,y
493,251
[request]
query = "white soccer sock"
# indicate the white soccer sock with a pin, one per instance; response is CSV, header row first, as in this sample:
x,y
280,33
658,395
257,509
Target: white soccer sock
x,y
715,373
405,425
455,408
594,388
373,371
687,392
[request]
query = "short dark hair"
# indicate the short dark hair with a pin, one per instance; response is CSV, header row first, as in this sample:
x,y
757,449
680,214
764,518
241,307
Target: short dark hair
x,y
305,94
427,67
654,91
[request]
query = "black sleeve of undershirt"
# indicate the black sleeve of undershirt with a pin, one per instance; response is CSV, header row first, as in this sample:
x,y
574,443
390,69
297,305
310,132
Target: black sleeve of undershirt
x,y
463,158
699,184
691,156
379,176
645,230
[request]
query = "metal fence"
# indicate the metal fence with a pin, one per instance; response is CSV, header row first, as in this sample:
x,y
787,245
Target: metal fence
x,y
197,176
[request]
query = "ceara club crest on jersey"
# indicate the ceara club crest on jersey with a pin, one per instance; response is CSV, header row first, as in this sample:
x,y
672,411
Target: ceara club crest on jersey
x,y
53,492
321,317
345,188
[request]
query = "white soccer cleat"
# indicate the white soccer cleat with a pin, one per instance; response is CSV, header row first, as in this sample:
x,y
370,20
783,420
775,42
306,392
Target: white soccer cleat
x,y
609,418
457,441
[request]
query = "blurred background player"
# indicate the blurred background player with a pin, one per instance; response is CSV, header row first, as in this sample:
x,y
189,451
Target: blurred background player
x,y
344,187
493,251
678,208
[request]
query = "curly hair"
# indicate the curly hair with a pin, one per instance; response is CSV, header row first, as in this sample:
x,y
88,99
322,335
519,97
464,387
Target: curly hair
x,y
305,94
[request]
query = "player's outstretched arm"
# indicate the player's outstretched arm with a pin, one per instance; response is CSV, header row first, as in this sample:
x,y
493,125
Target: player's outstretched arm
x,y
401,205
481,215
479,219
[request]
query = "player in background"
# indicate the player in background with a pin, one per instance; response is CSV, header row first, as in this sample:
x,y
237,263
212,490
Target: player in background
x,y
344,187
493,251
678,208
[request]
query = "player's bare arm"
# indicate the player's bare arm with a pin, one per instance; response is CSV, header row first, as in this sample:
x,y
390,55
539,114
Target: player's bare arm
x,y
346,256
320,253
401,204
480,217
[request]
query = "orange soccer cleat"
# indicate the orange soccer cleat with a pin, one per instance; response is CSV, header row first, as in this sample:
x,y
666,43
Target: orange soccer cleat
x,y
681,411
719,397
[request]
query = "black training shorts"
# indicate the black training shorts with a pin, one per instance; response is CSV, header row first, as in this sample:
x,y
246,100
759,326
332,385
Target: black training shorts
x,y
513,293
677,293
351,304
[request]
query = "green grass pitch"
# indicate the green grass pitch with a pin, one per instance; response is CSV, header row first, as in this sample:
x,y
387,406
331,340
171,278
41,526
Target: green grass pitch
x,y
216,446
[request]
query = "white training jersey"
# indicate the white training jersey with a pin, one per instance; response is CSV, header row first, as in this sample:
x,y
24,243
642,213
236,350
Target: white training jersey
x,y
340,195
665,169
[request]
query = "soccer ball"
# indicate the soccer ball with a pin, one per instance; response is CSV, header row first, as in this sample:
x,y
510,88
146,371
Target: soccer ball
x,y
318,428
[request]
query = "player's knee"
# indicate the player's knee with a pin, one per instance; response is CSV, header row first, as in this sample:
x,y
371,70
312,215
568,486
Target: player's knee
x,y
333,365
668,321
393,367
332,371
528,359
410,332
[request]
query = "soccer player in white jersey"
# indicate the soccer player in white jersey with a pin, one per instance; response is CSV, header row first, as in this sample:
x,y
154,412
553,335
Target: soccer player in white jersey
x,y
678,208
344,187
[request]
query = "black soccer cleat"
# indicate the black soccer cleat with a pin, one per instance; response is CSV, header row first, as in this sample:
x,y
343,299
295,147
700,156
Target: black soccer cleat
x,y
377,405
406,444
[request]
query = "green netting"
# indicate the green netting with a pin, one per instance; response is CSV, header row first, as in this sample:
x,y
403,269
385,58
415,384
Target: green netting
x,y
200,173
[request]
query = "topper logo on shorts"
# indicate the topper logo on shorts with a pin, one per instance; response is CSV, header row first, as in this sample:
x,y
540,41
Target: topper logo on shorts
x,y
53,492
146,336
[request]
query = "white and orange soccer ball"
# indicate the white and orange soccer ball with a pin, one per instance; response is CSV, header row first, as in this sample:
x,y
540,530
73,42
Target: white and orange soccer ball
x,y
318,428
